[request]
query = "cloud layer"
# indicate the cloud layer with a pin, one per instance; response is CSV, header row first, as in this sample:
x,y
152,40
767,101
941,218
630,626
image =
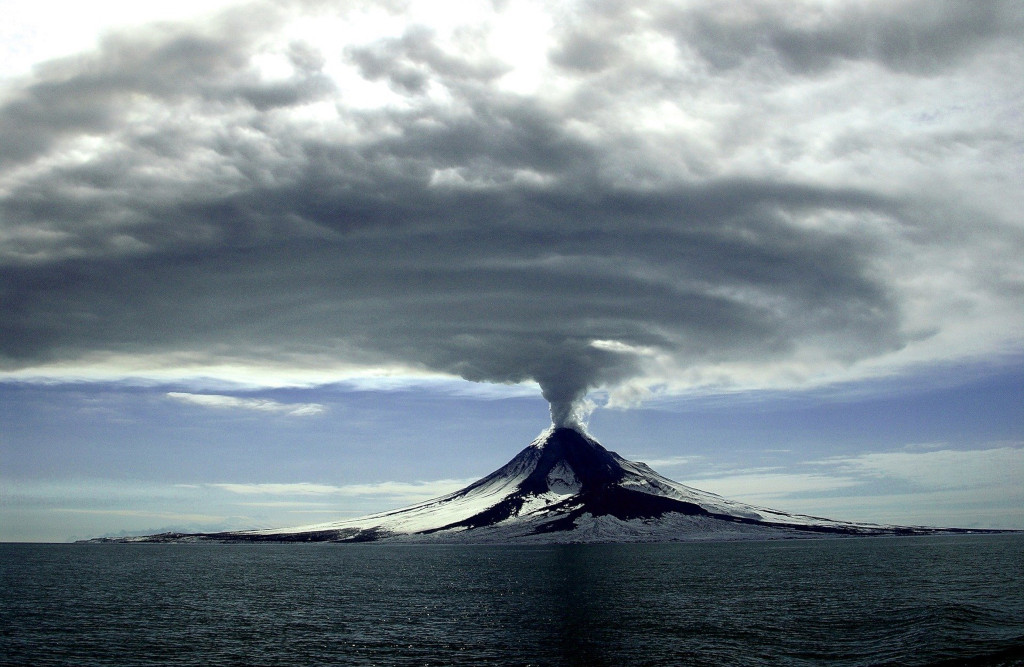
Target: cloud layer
x,y
578,194
220,401
940,487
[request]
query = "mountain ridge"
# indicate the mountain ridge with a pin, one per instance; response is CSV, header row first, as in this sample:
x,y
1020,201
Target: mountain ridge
x,y
564,487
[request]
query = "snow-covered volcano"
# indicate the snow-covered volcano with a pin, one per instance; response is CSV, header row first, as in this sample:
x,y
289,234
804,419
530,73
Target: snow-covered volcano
x,y
565,487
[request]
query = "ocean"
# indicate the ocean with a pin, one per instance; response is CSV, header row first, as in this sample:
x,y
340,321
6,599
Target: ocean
x,y
867,601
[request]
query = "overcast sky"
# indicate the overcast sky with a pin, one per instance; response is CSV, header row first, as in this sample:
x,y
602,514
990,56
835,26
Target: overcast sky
x,y
264,262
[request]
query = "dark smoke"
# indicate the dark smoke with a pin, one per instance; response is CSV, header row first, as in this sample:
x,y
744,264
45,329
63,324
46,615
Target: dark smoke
x,y
579,367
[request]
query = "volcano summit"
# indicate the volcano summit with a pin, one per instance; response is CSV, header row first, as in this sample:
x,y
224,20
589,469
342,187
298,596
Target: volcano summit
x,y
564,487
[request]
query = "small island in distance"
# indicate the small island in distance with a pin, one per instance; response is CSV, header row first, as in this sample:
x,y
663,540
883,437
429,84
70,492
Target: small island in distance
x,y
565,488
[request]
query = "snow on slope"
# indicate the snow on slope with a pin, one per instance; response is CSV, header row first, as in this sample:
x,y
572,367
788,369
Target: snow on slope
x,y
567,487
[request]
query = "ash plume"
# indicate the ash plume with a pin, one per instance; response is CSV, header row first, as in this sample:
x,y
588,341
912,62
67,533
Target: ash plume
x,y
579,367
570,413
467,227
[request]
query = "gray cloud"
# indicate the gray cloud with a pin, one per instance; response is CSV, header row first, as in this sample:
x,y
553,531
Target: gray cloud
x,y
166,64
496,235
411,61
920,37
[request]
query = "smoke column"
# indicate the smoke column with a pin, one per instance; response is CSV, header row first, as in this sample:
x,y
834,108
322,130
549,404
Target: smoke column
x,y
567,408
573,369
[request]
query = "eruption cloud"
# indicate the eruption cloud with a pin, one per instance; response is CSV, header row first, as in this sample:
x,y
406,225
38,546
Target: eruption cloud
x,y
568,409
458,221
571,371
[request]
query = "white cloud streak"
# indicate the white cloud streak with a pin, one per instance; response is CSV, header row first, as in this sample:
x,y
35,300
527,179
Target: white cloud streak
x,y
84,508
1000,467
220,401
419,490
766,487
935,486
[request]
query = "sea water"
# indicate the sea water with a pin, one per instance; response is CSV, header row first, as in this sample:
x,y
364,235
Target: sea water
x,y
906,601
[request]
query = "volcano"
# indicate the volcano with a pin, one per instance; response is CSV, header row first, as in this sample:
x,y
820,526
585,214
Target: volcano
x,y
564,487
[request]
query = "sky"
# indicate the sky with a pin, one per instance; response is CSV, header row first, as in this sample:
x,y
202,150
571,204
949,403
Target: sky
x,y
269,263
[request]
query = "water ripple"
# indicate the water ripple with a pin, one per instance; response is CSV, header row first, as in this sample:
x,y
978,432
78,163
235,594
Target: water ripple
x,y
913,601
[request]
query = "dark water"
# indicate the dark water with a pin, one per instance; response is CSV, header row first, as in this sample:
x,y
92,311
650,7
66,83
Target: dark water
x,y
906,601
